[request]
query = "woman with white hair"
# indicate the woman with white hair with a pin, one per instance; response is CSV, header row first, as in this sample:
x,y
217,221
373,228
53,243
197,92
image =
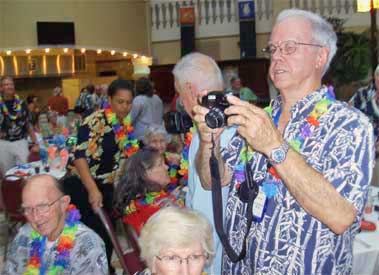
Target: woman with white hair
x,y
157,137
176,241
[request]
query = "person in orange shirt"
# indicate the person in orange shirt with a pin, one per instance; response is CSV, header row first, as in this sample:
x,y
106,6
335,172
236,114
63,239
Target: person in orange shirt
x,y
59,103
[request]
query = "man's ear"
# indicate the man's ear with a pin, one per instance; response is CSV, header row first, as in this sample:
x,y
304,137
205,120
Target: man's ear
x,y
322,58
66,200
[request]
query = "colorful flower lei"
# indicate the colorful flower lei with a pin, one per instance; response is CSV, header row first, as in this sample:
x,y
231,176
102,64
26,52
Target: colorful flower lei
x,y
310,123
184,159
65,244
17,109
306,129
124,134
148,199
172,170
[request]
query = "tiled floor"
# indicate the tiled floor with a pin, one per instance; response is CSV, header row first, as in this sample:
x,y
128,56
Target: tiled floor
x,y
115,261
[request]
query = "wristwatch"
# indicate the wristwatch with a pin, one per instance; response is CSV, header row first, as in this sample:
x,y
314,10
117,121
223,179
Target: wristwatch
x,y
279,154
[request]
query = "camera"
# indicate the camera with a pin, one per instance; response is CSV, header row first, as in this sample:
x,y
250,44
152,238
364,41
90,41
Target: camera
x,y
216,102
177,122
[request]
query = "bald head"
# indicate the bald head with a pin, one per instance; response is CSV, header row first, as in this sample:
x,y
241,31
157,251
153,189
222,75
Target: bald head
x,y
45,206
43,184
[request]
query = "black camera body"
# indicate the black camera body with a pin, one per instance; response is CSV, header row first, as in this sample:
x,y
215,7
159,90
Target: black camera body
x,y
177,122
216,102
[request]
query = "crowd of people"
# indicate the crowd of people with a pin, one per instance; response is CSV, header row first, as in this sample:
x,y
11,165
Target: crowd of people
x,y
279,190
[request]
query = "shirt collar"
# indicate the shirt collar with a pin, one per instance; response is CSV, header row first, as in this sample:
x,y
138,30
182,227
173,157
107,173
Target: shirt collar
x,y
302,104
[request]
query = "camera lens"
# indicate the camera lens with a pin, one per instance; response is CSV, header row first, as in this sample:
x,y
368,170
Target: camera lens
x,y
215,118
177,123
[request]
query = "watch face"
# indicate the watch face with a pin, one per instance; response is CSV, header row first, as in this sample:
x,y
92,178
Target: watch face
x,y
278,155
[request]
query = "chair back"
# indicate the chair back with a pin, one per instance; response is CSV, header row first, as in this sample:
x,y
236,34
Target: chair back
x,y
11,195
132,237
130,262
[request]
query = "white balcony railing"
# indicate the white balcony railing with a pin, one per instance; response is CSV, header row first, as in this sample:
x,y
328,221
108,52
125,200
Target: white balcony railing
x,y
215,18
326,7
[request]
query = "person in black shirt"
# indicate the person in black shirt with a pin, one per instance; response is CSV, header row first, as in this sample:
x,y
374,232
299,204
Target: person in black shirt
x,y
104,139
15,127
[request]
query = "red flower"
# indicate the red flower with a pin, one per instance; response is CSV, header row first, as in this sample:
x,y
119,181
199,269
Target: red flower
x,y
120,135
273,172
65,243
34,261
129,129
174,180
313,121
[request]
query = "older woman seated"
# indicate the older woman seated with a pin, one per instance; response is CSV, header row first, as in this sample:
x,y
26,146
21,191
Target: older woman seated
x,y
156,137
142,189
176,241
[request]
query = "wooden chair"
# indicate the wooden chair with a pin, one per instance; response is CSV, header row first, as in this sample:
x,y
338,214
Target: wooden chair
x,y
130,261
10,194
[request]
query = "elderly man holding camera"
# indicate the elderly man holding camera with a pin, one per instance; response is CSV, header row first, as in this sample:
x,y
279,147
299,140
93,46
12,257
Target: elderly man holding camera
x,y
307,159
196,74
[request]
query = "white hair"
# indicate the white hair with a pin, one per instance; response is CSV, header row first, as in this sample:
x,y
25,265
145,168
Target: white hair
x,y
173,227
322,30
199,69
153,130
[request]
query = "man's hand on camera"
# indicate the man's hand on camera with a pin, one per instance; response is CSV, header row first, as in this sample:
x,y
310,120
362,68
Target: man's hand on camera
x,y
254,125
205,132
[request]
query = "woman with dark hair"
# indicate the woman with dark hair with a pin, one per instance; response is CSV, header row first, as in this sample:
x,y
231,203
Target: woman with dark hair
x,y
32,102
104,138
142,189
147,107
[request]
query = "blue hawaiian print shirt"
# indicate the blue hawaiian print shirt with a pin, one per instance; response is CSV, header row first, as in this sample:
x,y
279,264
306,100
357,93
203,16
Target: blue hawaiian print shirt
x,y
288,240
87,257
365,100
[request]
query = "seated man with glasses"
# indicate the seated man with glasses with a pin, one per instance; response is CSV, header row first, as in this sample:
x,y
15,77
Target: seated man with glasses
x,y
54,241
176,241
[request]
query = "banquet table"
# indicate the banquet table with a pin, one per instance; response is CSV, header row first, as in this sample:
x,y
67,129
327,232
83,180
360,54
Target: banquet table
x,y
366,245
28,170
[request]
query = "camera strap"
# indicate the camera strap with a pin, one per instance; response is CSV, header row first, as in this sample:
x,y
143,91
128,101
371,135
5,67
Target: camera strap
x,y
217,209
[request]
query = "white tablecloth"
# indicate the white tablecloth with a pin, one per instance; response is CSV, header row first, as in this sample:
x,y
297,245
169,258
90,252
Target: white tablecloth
x,y
29,168
366,247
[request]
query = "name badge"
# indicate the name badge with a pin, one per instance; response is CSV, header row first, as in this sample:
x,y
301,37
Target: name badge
x,y
259,205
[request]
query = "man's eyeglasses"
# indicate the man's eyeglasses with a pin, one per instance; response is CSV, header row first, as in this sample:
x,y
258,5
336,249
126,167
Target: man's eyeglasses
x,y
175,261
287,47
39,209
